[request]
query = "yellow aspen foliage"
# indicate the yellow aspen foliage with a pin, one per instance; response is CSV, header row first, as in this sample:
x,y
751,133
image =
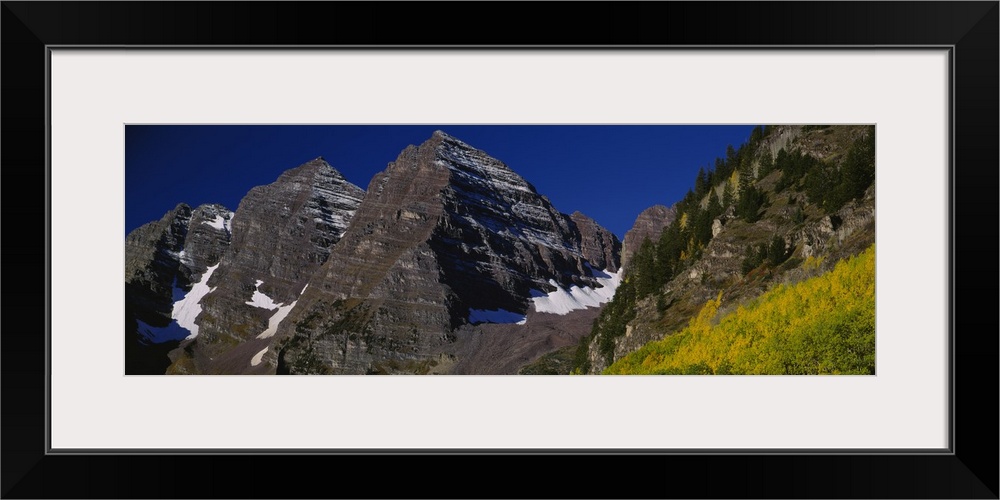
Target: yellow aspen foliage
x,y
684,220
702,322
812,262
824,325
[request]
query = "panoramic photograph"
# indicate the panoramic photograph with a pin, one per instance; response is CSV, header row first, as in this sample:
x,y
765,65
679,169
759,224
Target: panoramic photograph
x,y
500,249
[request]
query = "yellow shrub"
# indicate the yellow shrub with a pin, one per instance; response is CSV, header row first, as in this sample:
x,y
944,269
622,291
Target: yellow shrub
x,y
823,325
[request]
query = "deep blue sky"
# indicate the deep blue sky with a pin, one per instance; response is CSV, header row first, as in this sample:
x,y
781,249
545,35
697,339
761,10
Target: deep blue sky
x,y
609,172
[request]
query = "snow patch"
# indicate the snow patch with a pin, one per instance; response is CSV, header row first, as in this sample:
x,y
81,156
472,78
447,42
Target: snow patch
x,y
188,308
275,320
222,222
563,301
260,300
257,358
219,222
496,316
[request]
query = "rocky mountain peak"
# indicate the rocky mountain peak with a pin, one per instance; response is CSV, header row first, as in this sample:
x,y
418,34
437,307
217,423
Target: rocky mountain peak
x,y
177,248
598,245
280,234
316,164
208,237
441,135
322,277
447,236
162,260
475,167
649,224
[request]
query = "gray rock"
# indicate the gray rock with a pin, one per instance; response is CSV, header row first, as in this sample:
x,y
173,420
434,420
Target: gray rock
x,y
443,230
649,224
598,245
383,281
281,233
162,260
716,227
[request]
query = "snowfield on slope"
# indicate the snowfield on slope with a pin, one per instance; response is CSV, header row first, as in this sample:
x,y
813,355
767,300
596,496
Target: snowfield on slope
x,y
257,358
261,300
187,309
275,320
562,301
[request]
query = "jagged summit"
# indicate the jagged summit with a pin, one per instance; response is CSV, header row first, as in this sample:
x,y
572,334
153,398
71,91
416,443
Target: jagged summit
x,y
320,276
441,134
318,164
446,236
478,167
162,261
225,262
649,224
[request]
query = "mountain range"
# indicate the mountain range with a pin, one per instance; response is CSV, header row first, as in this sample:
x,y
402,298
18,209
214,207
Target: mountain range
x,y
312,274
449,262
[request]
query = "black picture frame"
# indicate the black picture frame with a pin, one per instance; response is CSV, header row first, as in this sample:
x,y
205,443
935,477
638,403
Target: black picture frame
x,y
970,470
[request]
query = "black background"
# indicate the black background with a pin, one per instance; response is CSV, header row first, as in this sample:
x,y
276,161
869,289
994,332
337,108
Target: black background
x,y
971,472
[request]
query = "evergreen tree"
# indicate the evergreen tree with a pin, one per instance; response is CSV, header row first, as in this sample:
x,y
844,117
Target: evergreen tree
x,y
750,203
721,171
643,269
831,188
732,161
714,206
746,179
781,161
766,164
727,195
859,166
776,251
752,258
701,228
756,135
687,201
668,252
700,183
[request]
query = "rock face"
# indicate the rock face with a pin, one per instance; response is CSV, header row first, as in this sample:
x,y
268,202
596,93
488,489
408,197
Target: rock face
x,y
318,276
599,246
649,224
281,234
446,236
152,258
162,261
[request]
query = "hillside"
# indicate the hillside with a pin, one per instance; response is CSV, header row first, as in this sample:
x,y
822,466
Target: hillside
x,y
823,325
788,204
